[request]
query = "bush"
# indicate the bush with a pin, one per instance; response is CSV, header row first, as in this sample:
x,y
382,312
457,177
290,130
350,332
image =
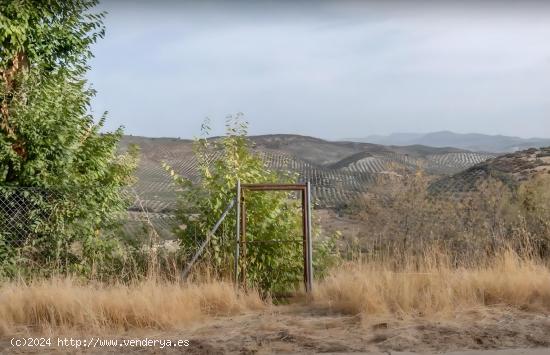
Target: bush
x,y
400,216
271,266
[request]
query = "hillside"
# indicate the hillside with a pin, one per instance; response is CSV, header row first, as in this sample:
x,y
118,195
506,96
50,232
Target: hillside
x,y
471,141
337,170
510,169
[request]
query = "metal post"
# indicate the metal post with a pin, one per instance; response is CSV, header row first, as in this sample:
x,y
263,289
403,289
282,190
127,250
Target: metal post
x,y
304,240
307,241
309,236
187,269
237,232
243,232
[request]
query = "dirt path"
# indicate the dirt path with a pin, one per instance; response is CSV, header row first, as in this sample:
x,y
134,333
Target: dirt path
x,y
302,329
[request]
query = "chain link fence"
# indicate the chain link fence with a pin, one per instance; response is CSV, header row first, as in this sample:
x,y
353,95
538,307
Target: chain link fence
x,y
54,230
25,209
41,226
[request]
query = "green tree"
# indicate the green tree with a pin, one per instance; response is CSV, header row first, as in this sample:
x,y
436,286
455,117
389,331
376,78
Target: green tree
x,y
273,257
50,142
270,216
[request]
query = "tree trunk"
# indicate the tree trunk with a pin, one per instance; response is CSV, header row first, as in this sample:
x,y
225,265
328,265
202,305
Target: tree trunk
x,y
19,64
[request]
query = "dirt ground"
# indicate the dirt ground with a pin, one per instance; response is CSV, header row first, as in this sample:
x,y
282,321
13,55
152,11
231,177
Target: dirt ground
x,y
303,329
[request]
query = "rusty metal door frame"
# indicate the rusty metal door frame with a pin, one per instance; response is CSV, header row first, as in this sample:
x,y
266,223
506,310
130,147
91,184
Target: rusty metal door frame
x,y
240,229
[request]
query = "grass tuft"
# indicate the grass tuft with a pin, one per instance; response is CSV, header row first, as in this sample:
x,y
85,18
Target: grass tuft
x,y
433,286
65,304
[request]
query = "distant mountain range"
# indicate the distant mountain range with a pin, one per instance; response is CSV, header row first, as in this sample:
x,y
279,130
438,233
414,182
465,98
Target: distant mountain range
x,y
472,141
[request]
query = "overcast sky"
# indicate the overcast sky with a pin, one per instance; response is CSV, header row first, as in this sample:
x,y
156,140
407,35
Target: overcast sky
x,y
331,69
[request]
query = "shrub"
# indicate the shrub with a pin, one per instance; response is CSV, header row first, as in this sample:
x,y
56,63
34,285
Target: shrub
x,y
273,216
400,216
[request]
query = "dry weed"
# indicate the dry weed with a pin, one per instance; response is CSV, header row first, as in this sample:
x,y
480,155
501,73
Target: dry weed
x,y
66,304
434,286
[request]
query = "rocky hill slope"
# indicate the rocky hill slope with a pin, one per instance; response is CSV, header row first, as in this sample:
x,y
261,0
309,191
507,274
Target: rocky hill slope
x,y
511,169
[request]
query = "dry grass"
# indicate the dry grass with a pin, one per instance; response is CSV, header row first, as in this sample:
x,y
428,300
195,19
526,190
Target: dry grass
x,y
64,304
432,287
401,217
424,287
487,259
423,255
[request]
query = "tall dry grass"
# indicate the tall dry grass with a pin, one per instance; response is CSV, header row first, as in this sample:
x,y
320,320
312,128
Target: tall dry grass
x,y
424,254
433,285
401,217
423,286
435,256
64,304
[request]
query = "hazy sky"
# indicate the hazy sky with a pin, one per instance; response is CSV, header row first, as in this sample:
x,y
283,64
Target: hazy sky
x,y
330,69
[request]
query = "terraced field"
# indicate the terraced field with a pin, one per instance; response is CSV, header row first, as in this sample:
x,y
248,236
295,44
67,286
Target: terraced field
x,y
510,169
338,171
462,160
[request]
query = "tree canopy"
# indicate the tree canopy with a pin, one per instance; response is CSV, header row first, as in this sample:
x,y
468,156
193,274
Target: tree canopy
x,y
48,137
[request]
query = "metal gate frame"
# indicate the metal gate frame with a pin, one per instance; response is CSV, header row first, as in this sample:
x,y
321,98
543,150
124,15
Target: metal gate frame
x,y
305,191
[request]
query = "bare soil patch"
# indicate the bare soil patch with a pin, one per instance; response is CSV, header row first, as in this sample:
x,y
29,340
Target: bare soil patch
x,y
304,329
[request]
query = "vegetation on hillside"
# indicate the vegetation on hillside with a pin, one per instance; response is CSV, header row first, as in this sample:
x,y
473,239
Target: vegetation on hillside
x,y
338,171
402,215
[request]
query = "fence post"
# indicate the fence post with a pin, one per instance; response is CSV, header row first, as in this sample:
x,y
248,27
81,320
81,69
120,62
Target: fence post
x,y
237,232
309,238
243,233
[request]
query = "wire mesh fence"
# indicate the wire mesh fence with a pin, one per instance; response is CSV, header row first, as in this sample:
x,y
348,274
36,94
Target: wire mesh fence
x,y
63,230
58,226
23,210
